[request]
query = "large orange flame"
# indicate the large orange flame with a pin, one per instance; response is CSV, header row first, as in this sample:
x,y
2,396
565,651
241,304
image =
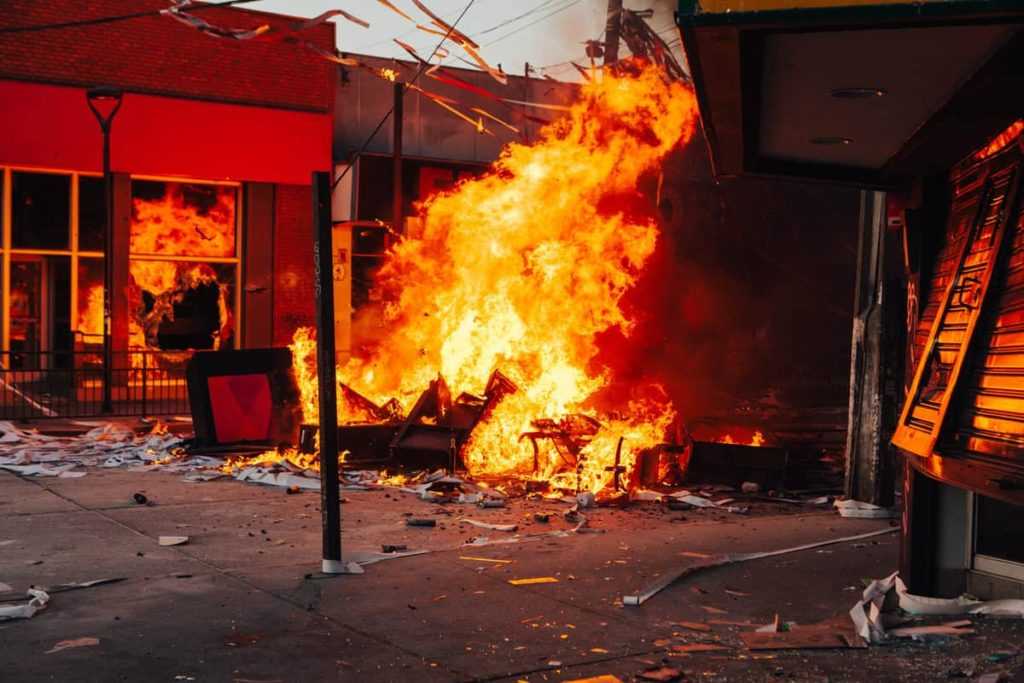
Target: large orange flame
x,y
520,270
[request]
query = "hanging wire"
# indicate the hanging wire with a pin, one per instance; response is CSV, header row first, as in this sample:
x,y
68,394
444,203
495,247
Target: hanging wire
x,y
419,72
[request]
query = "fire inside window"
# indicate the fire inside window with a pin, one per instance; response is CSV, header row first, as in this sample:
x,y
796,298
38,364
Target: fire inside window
x,y
183,265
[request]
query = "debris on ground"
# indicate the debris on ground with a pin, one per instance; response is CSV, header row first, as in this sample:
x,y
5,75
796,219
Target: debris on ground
x,y
533,581
420,522
661,673
111,444
167,541
70,644
856,509
490,560
488,525
722,560
869,619
837,633
38,601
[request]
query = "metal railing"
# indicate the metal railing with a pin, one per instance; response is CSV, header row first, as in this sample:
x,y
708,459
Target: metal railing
x,y
55,384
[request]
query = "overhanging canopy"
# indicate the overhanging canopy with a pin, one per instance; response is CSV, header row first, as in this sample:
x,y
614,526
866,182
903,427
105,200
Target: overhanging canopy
x,y
850,90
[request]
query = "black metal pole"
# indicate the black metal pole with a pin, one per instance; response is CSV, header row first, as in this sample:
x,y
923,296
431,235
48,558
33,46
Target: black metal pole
x,y
397,206
108,272
323,269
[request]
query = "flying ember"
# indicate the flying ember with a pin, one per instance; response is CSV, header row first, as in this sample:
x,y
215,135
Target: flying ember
x,y
519,271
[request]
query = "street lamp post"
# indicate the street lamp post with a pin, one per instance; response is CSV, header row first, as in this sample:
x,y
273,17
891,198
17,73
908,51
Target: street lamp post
x,y
104,102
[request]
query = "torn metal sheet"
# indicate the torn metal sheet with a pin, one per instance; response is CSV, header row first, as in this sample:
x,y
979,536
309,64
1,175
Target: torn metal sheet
x,y
722,560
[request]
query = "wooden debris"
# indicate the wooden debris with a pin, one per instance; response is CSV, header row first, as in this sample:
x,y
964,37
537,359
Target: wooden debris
x,y
533,581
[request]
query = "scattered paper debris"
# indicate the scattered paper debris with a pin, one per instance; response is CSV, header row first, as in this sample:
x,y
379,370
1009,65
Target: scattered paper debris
x,y
859,510
264,475
644,496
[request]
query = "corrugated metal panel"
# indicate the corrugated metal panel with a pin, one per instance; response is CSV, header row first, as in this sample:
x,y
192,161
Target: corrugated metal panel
x,y
963,276
989,417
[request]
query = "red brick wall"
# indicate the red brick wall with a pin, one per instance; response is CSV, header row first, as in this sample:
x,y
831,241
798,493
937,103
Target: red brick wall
x,y
294,292
158,55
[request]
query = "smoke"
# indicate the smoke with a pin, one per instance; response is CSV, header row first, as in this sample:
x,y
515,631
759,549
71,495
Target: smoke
x,y
748,298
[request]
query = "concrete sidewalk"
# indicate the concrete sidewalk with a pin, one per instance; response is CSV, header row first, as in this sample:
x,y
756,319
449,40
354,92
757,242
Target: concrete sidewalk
x,y
241,602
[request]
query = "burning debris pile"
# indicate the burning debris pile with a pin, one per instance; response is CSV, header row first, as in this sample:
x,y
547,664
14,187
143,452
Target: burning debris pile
x,y
513,277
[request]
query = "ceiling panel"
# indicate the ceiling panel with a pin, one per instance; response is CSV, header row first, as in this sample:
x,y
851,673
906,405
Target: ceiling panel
x,y
918,68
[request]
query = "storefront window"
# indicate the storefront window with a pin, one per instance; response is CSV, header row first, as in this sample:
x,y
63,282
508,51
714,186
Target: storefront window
x,y
39,309
183,219
184,265
89,318
40,210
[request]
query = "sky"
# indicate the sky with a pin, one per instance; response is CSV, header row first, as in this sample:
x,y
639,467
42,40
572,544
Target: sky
x,y
545,33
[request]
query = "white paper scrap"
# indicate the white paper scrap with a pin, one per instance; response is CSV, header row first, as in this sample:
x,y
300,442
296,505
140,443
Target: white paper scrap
x,y
173,540
859,510
28,610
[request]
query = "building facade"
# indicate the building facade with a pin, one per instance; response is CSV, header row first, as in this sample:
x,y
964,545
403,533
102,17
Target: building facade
x,y
212,151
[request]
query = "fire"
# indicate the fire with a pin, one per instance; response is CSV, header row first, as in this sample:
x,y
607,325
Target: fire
x,y
177,225
756,440
1000,141
90,317
171,219
167,282
520,270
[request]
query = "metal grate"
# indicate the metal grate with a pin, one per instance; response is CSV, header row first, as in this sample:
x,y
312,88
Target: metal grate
x,y
58,384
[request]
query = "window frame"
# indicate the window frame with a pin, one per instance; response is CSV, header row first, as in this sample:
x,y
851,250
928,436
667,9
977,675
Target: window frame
x,y
7,250
235,260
